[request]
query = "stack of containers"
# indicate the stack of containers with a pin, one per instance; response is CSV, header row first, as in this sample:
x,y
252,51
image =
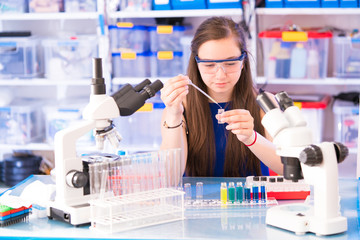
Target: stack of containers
x,y
295,54
80,5
129,45
20,57
347,56
46,6
166,50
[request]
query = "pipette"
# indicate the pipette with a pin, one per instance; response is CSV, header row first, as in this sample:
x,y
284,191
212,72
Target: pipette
x,y
190,82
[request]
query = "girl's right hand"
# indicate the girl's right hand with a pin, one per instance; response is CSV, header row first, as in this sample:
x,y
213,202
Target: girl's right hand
x,y
174,92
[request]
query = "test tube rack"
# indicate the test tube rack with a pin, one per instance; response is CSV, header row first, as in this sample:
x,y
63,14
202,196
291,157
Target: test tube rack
x,y
135,210
281,189
216,203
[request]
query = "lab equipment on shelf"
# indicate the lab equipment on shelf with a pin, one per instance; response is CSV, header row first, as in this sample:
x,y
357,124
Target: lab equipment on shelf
x,y
288,54
346,56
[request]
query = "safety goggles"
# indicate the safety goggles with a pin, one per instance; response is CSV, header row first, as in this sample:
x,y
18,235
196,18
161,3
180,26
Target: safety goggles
x,y
227,65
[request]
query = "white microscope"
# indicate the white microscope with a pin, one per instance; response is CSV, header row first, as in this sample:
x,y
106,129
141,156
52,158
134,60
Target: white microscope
x,y
72,183
317,163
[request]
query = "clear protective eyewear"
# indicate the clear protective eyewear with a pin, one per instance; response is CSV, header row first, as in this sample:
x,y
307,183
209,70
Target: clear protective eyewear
x,y
227,65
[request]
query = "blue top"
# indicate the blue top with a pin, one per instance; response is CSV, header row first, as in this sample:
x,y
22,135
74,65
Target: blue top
x,y
220,142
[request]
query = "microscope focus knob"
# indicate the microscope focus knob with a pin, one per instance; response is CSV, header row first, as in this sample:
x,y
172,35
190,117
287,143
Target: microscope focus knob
x,y
341,151
76,179
311,155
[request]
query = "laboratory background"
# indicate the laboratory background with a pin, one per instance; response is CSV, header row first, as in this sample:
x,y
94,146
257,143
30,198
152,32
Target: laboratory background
x,y
52,50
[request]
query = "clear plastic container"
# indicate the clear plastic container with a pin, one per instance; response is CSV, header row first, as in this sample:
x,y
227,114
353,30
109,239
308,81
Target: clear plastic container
x,y
312,108
80,5
46,6
166,37
13,6
346,57
279,55
21,122
20,57
186,49
346,123
131,64
143,128
166,64
70,57
61,115
127,37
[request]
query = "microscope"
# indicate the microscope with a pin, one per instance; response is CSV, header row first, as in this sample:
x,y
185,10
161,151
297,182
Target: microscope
x,y
302,159
72,193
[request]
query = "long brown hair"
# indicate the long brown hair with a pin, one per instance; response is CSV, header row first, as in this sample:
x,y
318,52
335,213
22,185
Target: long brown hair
x,y
201,139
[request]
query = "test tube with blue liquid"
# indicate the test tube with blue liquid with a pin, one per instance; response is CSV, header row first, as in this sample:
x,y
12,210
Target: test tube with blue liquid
x,y
255,192
262,192
239,192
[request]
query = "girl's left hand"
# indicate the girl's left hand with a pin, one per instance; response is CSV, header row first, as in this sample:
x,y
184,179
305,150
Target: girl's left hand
x,y
240,122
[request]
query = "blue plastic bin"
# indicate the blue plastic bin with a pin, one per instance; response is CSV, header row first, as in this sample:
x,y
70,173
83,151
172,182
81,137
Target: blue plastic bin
x,y
302,3
348,3
224,3
274,3
161,5
329,3
188,4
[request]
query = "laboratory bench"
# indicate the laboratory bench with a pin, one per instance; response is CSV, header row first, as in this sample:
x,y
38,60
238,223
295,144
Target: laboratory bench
x,y
204,223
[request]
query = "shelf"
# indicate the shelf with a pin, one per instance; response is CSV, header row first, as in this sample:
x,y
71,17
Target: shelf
x,y
177,13
308,11
325,81
44,82
49,16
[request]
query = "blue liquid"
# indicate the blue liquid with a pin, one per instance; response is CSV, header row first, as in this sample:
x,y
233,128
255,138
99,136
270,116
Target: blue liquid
x,y
247,194
239,194
255,191
262,193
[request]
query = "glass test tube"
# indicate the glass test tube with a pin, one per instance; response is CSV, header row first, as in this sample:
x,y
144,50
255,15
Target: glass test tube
x,y
199,190
223,193
187,189
239,192
231,191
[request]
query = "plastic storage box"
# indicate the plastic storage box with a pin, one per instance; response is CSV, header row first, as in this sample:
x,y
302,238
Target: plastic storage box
x,y
80,5
346,123
166,64
329,3
13,6
166,37
131,64
143,128
46,6
161,5
186,49
20,57
59,116
125,36
291,54
346,56
188,4
348,3
312,108
70,58
223,3
274,3
21,122
302,3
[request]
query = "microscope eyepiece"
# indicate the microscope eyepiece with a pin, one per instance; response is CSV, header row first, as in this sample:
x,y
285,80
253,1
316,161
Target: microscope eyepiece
x,y
97,82
284,100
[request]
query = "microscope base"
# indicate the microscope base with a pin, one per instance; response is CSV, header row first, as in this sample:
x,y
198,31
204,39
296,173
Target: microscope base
x,y
75,215
299,218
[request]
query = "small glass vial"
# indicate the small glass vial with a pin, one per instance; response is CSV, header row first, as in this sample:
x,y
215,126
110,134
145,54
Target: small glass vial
x,y
239,192
199,190
187,189
231,192
220,111
223,193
